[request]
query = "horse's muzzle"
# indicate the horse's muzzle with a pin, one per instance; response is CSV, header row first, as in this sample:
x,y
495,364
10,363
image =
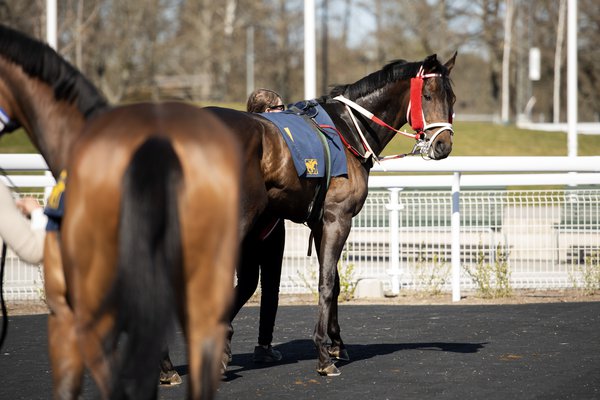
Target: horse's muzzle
x,y
441,147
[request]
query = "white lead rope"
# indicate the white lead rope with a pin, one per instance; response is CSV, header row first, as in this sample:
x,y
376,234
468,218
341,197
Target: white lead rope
x,y
370,116
369,151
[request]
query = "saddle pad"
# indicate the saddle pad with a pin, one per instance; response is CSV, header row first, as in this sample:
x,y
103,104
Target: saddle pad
x,y
305,147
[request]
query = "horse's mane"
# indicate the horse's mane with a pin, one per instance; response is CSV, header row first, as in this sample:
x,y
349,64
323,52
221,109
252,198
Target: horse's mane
x,y
40,61
392,72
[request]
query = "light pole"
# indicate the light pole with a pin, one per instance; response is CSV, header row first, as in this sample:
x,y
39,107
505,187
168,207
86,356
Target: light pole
x,y
310,59
51,34
572,77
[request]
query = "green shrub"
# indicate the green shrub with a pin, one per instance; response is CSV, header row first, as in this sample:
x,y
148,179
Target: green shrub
x,y
492,279
589,272
430,276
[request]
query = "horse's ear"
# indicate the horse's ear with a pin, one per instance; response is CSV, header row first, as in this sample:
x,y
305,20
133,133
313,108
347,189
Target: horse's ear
x,y
430,63
450,63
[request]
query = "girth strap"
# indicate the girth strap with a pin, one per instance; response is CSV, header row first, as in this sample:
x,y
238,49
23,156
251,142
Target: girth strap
x,y
315,208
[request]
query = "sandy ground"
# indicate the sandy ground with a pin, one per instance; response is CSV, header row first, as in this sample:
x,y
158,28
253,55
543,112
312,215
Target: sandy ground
x,y
405,298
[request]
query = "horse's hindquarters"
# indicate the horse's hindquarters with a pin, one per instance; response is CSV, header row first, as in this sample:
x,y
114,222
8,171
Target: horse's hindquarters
x,y
196,243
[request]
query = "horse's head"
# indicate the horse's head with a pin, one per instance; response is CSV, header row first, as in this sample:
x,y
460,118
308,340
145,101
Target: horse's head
x,y
431,111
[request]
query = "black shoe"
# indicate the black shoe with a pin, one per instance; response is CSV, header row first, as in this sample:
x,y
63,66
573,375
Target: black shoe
x,y
266,354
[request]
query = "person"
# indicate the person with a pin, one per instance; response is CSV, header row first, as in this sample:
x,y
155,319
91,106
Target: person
x,y
264,100
262,254
25,237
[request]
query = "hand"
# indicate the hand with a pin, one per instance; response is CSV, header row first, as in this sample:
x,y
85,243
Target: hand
x,y
27,204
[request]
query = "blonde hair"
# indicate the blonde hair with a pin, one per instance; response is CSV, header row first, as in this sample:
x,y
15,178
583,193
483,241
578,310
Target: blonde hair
x,y
261,99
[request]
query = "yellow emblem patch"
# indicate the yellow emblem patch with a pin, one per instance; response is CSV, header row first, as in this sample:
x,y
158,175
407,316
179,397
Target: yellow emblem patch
x,y
312,167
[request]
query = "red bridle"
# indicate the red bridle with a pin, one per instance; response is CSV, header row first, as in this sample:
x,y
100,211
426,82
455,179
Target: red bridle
x,y
414,112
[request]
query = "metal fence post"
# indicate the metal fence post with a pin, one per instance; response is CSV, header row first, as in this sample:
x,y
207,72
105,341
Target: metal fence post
x,y
456,237
394,207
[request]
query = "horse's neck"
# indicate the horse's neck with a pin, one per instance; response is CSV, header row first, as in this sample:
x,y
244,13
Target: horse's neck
x,y
390,109
52,125
390,106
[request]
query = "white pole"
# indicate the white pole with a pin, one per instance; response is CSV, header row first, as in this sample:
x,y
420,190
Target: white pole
x,y
310,58
249,60
51,25
456,237
572,77
506,62
560,34
394,207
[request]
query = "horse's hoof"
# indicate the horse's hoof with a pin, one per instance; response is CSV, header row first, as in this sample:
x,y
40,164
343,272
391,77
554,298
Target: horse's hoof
x,y
330,370
338,354
170,378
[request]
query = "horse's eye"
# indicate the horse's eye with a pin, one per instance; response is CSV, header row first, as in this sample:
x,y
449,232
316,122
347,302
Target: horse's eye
x,y
427,97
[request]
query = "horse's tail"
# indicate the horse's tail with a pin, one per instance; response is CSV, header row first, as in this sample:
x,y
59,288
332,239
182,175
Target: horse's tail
x,y
149,265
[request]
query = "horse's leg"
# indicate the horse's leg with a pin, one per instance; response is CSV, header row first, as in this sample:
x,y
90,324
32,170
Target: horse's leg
x,y
94,317
65,359
168,375
92,337
209,259
205,359
337,349
208,294
329,242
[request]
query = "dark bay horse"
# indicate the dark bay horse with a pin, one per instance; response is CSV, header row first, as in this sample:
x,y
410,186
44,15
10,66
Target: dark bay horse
x,y
127,260
367,114
270,184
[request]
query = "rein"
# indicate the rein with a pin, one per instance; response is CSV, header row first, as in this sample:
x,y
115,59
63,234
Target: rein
x,y
352,105
414,116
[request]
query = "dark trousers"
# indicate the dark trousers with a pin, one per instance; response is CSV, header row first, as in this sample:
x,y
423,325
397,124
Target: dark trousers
x,y
265,256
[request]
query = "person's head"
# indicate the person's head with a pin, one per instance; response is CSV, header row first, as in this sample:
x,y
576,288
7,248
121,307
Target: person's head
x,y
264,100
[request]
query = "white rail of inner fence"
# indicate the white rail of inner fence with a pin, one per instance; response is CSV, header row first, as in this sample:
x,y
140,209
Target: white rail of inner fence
x,y
431,232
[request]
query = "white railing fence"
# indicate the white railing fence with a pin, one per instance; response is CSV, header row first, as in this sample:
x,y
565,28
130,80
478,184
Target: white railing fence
x,y
426,233
546,238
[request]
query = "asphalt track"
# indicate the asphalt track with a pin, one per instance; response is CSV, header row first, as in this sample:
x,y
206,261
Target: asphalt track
x,y
532,351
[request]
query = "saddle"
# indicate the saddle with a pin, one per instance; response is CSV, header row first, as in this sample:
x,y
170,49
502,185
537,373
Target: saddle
x,y
317,151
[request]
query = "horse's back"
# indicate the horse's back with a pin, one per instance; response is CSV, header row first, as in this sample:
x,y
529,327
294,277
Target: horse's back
x,y
202,142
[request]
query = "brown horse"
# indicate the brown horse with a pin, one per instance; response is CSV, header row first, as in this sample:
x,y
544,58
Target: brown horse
x,y
358,111
126,260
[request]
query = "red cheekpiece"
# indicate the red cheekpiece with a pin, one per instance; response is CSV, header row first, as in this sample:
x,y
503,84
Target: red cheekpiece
x,y
416,110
